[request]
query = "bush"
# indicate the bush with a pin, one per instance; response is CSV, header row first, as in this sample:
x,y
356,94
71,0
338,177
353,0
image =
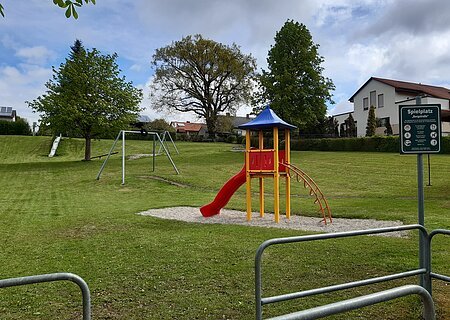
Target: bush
x,y
19,127
368,144
363,144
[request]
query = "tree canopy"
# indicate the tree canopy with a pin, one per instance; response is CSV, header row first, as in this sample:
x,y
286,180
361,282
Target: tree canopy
x,y
159,125
87,97
69,5
201,76
293,84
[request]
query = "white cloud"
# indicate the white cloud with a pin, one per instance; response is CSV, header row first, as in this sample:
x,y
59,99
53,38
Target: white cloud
x,y
166,115
367,60
136,67
342,106
36,55
358,39
20,84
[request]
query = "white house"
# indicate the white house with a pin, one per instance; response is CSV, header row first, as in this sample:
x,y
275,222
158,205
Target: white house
x,y
7,114
386,95
341,118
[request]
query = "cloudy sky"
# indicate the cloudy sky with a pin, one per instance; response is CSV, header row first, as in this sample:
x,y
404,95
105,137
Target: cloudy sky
x,y
398,39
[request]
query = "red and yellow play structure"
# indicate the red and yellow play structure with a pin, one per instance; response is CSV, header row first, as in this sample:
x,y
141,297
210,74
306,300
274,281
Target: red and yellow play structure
x,y
261,163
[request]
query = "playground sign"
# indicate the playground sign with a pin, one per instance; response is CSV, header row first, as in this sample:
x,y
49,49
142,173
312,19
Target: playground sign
x,y
420,128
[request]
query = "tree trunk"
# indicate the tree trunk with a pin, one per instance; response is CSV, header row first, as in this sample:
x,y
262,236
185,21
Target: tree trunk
x,y
87,148
211,124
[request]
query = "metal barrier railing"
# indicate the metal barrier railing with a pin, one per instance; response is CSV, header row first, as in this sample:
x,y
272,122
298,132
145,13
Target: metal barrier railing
x,y
424,271
430,237
4,283
429,312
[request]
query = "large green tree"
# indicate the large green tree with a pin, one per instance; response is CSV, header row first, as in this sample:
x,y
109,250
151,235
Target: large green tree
x,y
69,5
202,76
87,96
293,84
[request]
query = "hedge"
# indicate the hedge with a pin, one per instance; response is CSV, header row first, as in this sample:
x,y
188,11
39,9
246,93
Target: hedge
x,y
19,127
372,144
364,144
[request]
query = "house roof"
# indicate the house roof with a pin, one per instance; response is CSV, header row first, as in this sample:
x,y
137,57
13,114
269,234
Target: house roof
x,y
410,87
267,119
342,114
189,126
237,121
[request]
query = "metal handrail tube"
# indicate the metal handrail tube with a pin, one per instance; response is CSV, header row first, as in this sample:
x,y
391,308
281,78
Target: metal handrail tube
x,y
267,243
334,235
439,231
4,283
348,285
364,301
432,274
439,276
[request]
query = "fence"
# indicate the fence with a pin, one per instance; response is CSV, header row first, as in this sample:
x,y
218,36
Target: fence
x,y
423,272
51,278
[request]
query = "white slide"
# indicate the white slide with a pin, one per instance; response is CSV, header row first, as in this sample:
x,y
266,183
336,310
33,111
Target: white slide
x,y
54,146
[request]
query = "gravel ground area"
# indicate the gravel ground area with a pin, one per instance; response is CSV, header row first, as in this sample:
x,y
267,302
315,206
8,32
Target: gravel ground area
x,y
191,214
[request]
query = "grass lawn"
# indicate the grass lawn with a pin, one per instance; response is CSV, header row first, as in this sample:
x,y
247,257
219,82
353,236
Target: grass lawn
x,y
56,217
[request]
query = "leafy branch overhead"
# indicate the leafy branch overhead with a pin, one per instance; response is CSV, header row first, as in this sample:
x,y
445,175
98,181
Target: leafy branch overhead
x,y
69,5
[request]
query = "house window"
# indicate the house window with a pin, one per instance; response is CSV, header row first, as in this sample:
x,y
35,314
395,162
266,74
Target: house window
x,y
380,100
366,103
373,96
384,122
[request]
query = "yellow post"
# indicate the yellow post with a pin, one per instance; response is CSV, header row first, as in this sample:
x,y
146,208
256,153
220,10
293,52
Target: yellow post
x,y
276,176
287,150
261,179
247,175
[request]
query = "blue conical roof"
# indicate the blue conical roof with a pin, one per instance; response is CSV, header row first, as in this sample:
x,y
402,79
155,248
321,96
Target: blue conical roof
x,y
267,119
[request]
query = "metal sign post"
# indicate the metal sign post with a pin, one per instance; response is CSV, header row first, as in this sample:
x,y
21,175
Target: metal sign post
x,y
420,132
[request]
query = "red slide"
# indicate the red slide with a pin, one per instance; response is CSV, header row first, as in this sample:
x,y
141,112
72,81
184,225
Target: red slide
x,y
224,195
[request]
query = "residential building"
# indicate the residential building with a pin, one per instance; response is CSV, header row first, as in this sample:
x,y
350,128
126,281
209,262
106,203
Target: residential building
x,y
341,119
7,114
386,95
232,123
190,128
226,124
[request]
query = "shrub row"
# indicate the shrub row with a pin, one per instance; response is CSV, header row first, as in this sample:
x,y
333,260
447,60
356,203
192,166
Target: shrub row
x,y
365,144
19,127
372,144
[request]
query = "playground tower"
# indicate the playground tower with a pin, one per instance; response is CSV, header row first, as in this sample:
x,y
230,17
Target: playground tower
x,y
261,162
267,161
